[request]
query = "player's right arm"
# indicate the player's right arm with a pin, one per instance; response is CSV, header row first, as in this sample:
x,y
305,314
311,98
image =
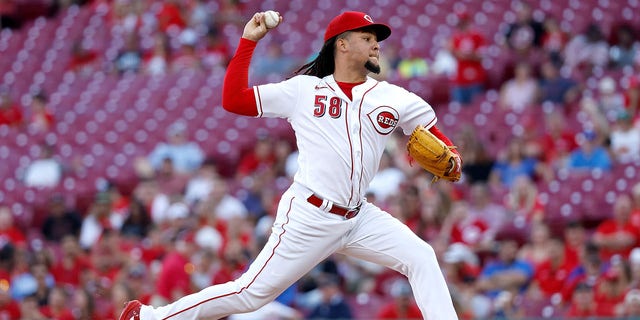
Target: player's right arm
x,y
237,96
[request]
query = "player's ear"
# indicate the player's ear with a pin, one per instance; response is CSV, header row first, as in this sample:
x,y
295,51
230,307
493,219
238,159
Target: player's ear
x,y
341,44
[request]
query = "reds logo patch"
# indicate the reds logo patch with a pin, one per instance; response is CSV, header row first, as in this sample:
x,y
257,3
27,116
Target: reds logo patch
x,y
384,119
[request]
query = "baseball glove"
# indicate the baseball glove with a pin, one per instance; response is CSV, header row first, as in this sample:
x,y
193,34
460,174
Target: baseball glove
x,y
434,155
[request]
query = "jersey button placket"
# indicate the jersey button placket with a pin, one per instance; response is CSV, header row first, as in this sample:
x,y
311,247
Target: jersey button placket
x,y
357,147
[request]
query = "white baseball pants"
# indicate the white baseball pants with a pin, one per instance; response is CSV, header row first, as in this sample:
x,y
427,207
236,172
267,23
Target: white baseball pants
x,y
303,236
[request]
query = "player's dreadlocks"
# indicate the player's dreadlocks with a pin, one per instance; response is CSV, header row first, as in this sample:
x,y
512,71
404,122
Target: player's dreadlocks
x,y
323,65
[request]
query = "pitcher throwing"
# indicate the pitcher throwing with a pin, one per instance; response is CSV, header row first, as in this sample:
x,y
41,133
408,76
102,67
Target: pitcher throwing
x,y
342,119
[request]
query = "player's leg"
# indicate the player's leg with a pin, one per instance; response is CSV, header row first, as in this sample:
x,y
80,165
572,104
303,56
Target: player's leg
x,y
380,238
301,237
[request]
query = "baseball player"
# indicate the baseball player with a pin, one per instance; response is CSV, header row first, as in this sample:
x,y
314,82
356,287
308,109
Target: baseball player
x,y
342,119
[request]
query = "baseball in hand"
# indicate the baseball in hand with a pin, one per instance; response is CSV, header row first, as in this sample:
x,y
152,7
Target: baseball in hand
x,y
271,19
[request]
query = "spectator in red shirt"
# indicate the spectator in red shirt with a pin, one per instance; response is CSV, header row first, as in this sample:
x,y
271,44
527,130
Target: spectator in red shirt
x,y
10,112
632,94
551,274
9,308
83,61
575,239
261,157
466,46
71,268
635,213
9,232
611,289
174,279
554,39
171,14
558,141
462,227
56,307
617,235
583,303
403,305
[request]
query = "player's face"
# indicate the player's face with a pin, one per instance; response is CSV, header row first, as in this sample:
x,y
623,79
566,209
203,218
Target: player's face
x,y
365,50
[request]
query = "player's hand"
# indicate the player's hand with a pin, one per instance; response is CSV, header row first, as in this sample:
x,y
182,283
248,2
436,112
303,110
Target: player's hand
x,y
256,28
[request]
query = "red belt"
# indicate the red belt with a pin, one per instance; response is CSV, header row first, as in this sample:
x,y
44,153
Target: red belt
x,y
335,209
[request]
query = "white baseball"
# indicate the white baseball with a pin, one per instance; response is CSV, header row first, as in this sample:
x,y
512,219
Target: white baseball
x,y
271,19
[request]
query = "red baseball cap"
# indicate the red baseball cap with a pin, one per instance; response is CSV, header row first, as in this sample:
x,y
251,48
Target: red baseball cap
x,y
352,20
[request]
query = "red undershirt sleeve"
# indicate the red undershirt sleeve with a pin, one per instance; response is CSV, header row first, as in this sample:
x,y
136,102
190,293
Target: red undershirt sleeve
x,y
442,137
237,96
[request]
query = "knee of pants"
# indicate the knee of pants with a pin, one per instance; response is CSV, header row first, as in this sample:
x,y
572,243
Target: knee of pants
x,y
426,257
256,296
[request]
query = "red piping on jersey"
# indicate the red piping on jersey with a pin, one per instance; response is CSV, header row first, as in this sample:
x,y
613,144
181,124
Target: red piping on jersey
x,y
273,252
237,97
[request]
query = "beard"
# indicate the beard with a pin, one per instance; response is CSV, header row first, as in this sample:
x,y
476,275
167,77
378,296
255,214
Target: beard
x,y
375,68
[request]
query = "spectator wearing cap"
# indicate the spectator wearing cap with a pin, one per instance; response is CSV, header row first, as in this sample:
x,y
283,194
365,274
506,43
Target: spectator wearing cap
x,y
99,218
403,305
333,304
186,156
617,235
589,271
590,155
60,221
625,139
611,289
506,271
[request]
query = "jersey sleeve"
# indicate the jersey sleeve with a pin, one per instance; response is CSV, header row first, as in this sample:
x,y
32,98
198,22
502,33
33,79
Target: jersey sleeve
x,y
277,99
417,112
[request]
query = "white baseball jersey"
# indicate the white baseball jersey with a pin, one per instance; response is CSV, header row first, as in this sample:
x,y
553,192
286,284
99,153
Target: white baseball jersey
x,y
340,143
341,140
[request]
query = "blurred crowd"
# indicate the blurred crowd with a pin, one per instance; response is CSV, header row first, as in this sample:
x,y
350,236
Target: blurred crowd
x,y
184,225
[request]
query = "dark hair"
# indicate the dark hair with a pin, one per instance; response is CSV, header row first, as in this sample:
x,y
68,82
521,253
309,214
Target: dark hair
x,y
324,64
